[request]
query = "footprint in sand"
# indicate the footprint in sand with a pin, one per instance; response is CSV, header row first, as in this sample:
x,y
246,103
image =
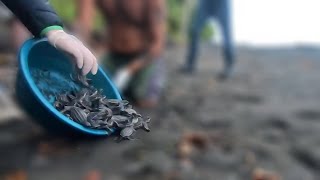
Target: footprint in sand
x,y
308,114
247,98
277,122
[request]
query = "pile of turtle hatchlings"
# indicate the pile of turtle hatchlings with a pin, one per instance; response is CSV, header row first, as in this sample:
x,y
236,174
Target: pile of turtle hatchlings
x,y
90,108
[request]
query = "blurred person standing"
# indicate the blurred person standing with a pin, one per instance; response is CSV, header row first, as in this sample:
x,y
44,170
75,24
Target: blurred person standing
x,y
136,33
220,9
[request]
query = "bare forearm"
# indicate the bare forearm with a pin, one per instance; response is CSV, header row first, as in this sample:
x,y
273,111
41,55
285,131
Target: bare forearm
x,y
158,28
158,44
85,12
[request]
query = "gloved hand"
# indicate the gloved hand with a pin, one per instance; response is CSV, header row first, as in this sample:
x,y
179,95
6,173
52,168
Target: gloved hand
x,y
69,44
122,78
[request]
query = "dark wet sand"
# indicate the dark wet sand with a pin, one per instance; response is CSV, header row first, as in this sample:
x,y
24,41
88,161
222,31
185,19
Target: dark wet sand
x,y
267,116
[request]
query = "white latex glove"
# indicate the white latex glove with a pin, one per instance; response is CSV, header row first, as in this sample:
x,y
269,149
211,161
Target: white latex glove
x,y
69,44
121,79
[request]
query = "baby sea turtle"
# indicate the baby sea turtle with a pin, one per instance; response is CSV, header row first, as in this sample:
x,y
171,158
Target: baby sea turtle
x,y
78,115
143,124
135,120
71,97
63,98
119,118
129,112
110,123
125,102
92,116
127,133
94,124
58,105
107,111
94,94
91,108
104,101
80,78
81,97
85,105
113,102
66,109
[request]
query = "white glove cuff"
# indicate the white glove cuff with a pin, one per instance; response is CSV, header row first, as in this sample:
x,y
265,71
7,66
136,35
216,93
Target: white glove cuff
x,y
58,35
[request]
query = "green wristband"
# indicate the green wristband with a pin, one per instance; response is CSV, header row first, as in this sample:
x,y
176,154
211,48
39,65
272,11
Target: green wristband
x,y
50,28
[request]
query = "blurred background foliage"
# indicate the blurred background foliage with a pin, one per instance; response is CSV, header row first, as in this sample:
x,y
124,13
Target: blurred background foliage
x,y
180,13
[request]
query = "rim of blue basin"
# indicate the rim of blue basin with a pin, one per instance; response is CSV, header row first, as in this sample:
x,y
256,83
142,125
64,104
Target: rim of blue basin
x,y
23,58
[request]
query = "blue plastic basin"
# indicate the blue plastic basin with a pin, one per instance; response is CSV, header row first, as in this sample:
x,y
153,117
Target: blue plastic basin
x,y
39,54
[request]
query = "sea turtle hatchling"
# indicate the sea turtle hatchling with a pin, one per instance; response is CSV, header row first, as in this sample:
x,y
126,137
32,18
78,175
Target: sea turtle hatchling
x,y
94,94
63,98
120,119
92,116
83,80
125,102
89,107
113,102
129,112
135,120
143,124
127,133
66,109
78,114
58,105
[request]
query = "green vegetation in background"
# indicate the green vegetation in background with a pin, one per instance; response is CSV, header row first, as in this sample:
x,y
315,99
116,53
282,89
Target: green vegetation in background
x,y
67,11
176,10
207,32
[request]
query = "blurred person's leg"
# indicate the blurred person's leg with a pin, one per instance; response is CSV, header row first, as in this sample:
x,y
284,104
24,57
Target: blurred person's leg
x,y
9,110
198,22
223,15
111,63
147,85
18,34
5,16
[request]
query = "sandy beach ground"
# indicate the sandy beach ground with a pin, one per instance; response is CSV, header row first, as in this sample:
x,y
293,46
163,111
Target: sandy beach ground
x,y
264,121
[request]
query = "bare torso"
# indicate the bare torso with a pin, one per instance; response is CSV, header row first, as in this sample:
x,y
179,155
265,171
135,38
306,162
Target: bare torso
x,y
124,36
